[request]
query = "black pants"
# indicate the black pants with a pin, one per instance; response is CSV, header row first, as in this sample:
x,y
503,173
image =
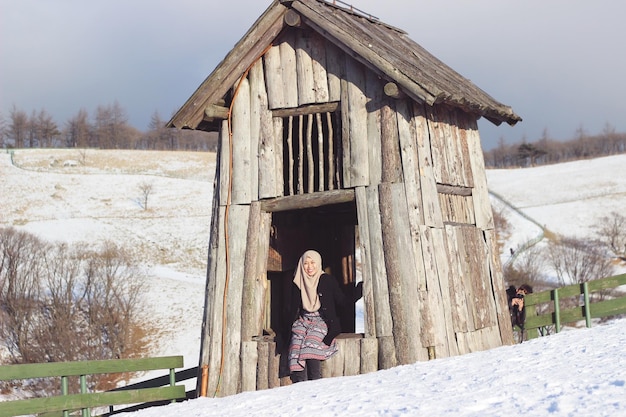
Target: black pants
x,y
312,370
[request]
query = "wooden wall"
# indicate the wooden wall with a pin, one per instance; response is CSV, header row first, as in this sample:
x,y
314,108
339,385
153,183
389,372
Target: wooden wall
x,y
429,259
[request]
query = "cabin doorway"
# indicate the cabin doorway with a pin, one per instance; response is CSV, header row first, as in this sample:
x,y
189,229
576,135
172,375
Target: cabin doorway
x,y
332,231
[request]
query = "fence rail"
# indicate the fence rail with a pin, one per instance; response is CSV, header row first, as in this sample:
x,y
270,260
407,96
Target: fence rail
x,y
550,308
85,400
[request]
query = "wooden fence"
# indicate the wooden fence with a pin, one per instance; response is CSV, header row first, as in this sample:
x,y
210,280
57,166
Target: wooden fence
x,y
85,400
573,303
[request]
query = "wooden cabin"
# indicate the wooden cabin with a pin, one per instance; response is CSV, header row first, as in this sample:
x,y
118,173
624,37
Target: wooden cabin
x,y
339,133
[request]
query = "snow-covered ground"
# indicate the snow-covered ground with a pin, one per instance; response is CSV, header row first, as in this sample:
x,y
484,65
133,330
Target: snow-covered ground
x,y
580,372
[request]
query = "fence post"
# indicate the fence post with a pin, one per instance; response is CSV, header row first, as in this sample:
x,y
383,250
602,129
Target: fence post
x,y
85,412
557,310
587,304
65,391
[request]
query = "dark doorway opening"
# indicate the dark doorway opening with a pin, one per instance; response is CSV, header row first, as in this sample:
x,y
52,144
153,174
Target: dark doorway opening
x,y
331,230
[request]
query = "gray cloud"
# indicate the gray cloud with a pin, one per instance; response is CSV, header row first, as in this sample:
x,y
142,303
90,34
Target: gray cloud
x,y
558,63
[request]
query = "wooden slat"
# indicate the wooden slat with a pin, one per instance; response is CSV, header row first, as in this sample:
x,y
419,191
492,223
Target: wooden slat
x,y
366,262
278,156
391,163
262,375
304,67
43,370
373,91
428,185
257,105
241,161
308,200
237,232
398,263
369,355
249,358
289,78
318,62
382,309
98,399
352,356
480,193
266,149
274,78
253,278
499,290
357,124
335,70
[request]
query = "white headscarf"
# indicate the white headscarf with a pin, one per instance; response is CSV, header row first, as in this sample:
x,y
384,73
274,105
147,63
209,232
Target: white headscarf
x,y
308,283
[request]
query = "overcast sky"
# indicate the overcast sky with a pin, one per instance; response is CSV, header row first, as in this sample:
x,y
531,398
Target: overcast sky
x,y
559,64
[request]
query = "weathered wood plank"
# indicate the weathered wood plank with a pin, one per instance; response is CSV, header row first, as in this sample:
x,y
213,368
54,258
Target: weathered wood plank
x,y
444,328
253,278
307,200
382,309
224,169
369,318
461,319
217,334
335,70
273,366
391,163
241,164
289,72
497,283
480,193
249,358
237,230
318,61
386,352
357,124
373,91
352,356
345,136
428,186
273,77
399,263
304,67
257,105
262,374
308,109
278,155
266,149
408,151
369,355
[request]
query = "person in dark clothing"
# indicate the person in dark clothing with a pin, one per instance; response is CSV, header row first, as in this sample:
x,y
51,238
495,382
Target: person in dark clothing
x,y
517,309
315,301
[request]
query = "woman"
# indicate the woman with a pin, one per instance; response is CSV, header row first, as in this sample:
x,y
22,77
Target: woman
x,y
315,299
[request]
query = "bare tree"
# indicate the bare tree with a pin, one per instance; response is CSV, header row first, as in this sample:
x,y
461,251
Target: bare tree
x,y
78,131
577,261
612,233
18,127
67,303
146,189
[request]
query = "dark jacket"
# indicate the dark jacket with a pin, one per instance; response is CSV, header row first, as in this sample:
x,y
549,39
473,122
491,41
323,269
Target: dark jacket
x,y
332,300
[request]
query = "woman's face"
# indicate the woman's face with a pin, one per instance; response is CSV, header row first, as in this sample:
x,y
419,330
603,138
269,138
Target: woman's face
x,y
310,266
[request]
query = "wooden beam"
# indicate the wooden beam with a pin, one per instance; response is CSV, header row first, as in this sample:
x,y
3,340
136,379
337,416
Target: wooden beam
x,y
303,201
454,190
309,109
392,90
213,111
292,18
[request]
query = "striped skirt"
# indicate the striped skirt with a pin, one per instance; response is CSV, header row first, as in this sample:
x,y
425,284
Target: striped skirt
x,y
307,333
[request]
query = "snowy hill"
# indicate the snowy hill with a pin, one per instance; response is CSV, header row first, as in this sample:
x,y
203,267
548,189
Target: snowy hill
x,y
579,372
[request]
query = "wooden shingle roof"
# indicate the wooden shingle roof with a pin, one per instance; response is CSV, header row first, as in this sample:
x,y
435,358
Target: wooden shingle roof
x,y
384,49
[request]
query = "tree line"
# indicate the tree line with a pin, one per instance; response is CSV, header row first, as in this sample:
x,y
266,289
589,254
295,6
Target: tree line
x,y
546,151
107,128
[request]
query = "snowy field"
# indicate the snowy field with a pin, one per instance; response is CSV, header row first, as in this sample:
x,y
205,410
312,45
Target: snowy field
x,y
580,372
